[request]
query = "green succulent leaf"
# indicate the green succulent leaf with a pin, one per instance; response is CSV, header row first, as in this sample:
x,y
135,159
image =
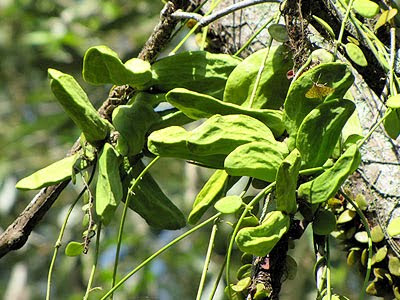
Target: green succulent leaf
x,y
208,195
324,222
324,82
366,8
77,106
52,174
393,228
278,32
172,142
109,187
223,134
228,204
74,249
392,123
327,184
286,183
260,240
149,201
198,106
273,83
133,123
102,65
356,54
320,131
260,160
325,25
209,71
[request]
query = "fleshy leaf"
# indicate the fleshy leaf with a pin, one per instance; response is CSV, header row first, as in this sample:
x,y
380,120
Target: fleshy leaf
x,y
52,174
366,8
77,105
109,187
320,131
208,195
209,71
393,228
286,183
260,160
356,54
102,65
223,134
273,83
260,240
197,106
325,186
74,249
278,32
228,204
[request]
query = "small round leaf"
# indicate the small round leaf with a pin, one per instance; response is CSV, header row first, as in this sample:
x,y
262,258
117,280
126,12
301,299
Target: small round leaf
x,y
361,237
228,204
393,102
393,228
377,234
346,216
366,8
356,54
324,222
242,284
278,32
74,249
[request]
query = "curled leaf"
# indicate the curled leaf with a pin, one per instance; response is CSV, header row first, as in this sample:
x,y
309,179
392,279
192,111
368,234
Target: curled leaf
x,y
109,186
327,184
197,106
208,195
260,240
272,85
77,105
102,65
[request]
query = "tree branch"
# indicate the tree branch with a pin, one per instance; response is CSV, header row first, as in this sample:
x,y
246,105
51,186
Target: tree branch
x,y
16,235
206,20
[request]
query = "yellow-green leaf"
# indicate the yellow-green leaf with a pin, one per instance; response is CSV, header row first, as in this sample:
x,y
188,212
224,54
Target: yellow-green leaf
x,y
52,174
228,204
325,25
393,228
356,54
394,101
366,8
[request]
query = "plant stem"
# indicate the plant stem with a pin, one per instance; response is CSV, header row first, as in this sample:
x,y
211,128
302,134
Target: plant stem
x,y
123,217
89,286
342,27
328,270
365,224
207,260
153,256
258,78
247,208
57,244
215,286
